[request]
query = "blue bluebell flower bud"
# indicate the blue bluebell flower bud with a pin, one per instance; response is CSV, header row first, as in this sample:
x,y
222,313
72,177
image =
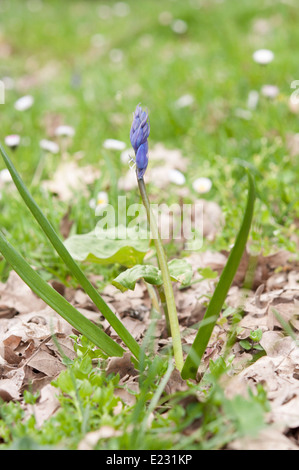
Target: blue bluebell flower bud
x,y
139,133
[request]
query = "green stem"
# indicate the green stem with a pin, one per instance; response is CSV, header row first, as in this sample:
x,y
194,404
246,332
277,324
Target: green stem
x,y
170,302
154,298
164,306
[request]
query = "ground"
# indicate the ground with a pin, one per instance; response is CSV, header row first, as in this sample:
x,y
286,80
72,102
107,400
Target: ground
x,y
214,110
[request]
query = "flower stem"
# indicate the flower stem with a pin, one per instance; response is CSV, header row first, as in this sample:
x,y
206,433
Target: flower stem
x,y
164,306
169,296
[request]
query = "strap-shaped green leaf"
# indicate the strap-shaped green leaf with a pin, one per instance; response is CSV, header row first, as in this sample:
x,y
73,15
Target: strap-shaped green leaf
x,y
57,302
67,258
212,313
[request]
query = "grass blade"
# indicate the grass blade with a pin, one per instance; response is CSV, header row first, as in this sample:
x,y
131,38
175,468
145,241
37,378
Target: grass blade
x,y
212,313
49,231
57,302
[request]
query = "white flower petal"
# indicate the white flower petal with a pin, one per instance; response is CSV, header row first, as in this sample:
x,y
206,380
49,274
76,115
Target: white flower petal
x,y
49,146
100,201
64,130
12,140
92,203
176,177
24,103
179,26
202,185
184,101
5,176
263,56
97,40
270,91
102,198
114,144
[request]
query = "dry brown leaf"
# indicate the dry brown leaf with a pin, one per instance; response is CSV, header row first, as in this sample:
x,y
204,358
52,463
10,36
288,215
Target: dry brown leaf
x,y
122,366
135,327
46,405
15,294
126,396
46,363
288,412
276,344
91,439
62,346
267,439
289,312
175,383
10,386
9,390
7,312
66,224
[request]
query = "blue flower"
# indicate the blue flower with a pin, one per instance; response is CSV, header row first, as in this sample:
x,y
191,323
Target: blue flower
x,y
139,133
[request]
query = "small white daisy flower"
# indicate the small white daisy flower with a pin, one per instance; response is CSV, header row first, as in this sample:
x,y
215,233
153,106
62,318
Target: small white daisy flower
x,y
49,146
179,26
202,185
176,177
97,40
5,176
24,103
99,202
65,131
263,56
270,91
113,144
184,101
12,141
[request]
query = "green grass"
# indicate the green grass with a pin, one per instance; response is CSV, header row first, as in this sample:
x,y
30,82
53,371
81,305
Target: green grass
x,y
89,401
54,57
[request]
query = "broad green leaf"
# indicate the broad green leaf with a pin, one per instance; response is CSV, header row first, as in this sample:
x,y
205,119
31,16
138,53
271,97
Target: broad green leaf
x,y
57,302
57,243
127,279
109,247
180,271
216,303
245,344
